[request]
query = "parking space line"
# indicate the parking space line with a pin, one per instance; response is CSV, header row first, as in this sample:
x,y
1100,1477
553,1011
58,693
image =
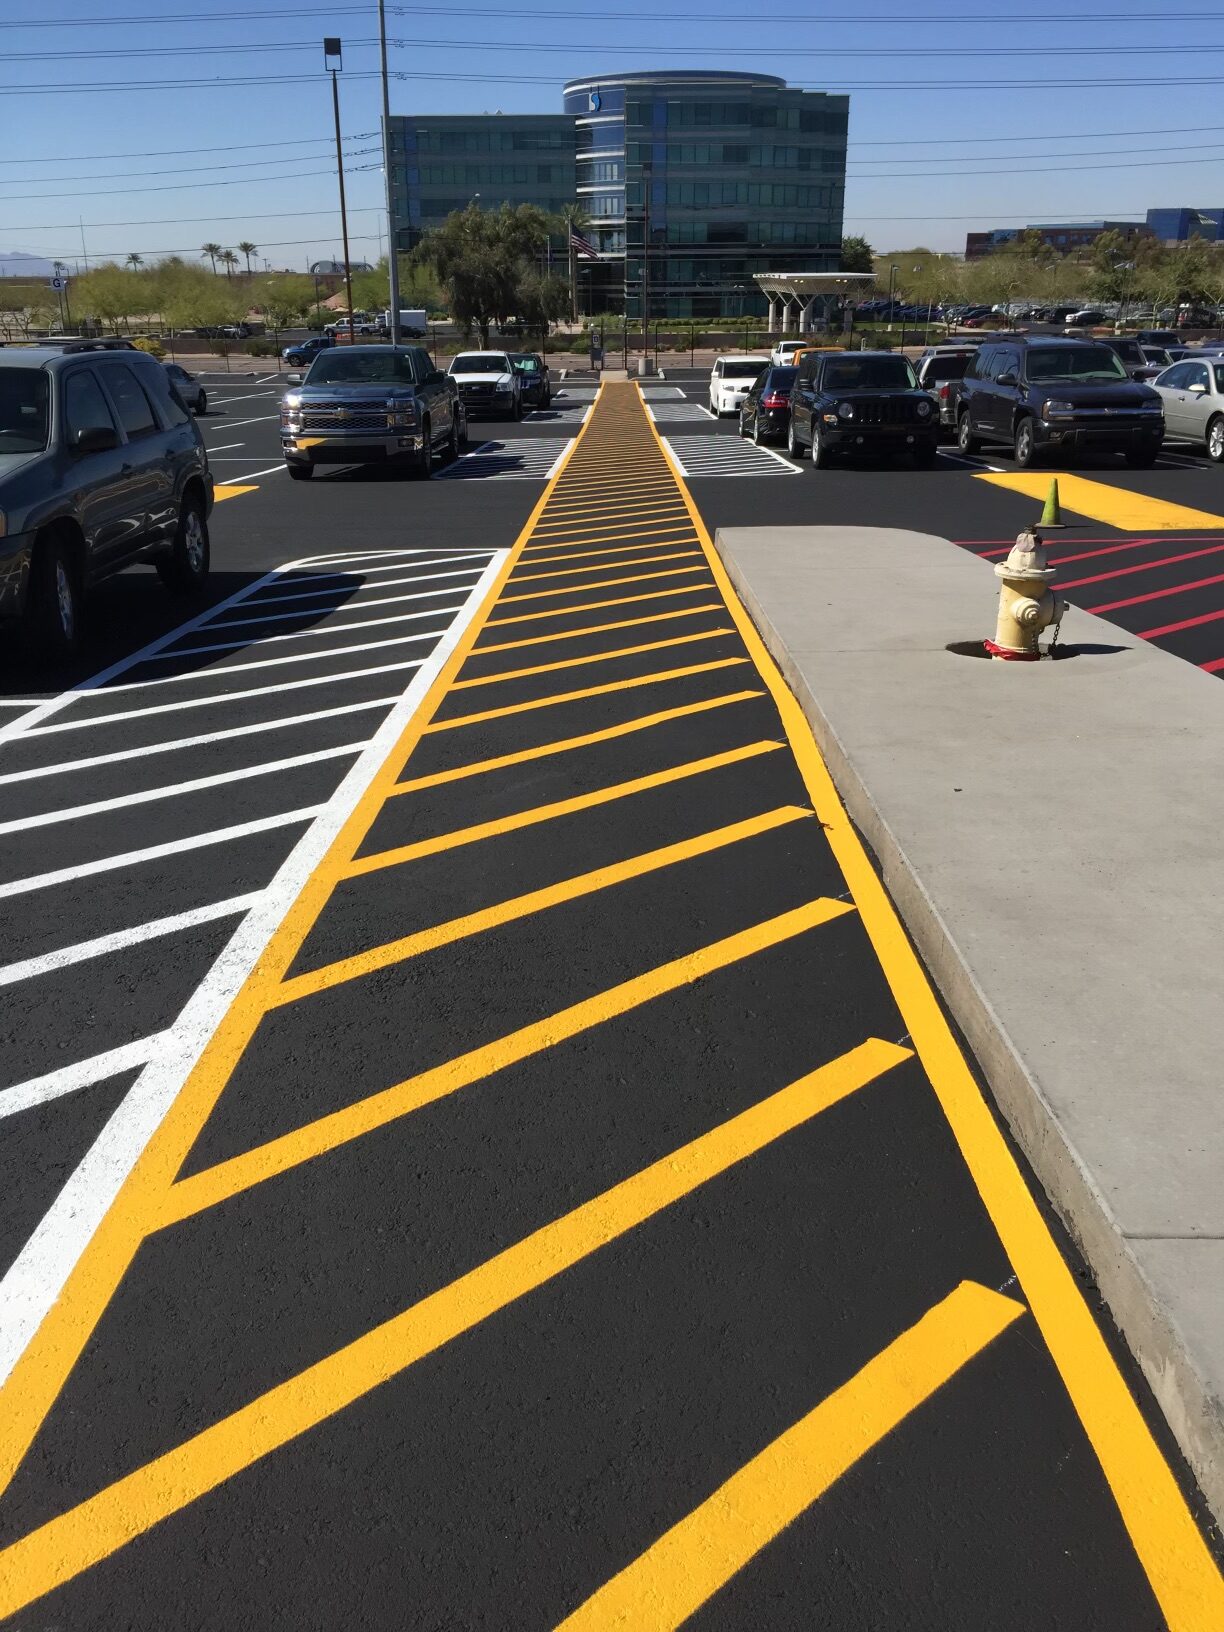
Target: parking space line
x,y
479,680
11,974
174,790
357,583
683,1570
345,605
523,906
1156,594
1142,566
23,1096
1182,623
594,629
156,852
604,566
224,448
223,490
268,470
685,529
598,606
204,740
589,691
226,697
565,745
219,670
66,1545
477,557
438,843
210,1186
318,630
1118,507
603,583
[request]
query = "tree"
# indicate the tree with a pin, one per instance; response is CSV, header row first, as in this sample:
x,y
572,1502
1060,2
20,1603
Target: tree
x,y
540,301
248,249
212,251
857,255
229,261
134,261
113,294
482,258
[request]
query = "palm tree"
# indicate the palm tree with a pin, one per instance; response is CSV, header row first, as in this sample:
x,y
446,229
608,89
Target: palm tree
x,y
134,261
212,251
229,261
248,250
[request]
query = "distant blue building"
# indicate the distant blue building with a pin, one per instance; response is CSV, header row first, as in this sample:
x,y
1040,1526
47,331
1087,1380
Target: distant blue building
x,y
1177,226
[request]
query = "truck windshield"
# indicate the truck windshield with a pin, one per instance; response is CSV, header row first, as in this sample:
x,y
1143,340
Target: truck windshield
x,y
356,368
23,410
480,362
1074,363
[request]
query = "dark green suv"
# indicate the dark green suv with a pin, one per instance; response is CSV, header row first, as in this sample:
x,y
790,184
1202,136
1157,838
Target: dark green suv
x,y
101,465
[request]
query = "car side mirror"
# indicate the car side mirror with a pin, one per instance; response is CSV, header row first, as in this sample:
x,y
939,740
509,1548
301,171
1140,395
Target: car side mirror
x,y
295,377
436,377
1199,389
1009,377
95,439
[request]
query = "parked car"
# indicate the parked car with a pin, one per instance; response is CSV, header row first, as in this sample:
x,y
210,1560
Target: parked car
x,y
978,320
1087,319
765,412
1130,352
1192,392
1158,337
303,352
360,325
367,405
535,388
1040,394
488,384
938,370
101,465
730,381
784,351
861,402
188,387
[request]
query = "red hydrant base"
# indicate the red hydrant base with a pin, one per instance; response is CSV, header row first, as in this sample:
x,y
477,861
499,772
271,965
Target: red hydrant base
x,y
1008,655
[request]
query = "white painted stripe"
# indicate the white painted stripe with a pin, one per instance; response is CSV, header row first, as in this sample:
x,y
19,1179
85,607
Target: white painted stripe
x,y
264,378
233,424
53,705
219,670
38,1090
365,555
38,1273
675,457
124,754
355,583
225,697
250,476
103,945
247,396
313,634
343,606
155,852
224,447
21,702
396,566
199,784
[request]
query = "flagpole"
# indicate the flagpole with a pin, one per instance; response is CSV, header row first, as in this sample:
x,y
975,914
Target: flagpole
x,y
573,270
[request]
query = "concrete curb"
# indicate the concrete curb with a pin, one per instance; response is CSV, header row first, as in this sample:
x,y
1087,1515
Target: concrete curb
x,y
1164,1291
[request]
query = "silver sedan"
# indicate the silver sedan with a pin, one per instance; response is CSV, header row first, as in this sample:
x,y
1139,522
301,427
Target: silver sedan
x,y
1193,395
188,387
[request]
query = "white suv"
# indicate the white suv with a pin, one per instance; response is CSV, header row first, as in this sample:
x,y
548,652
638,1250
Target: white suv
x,y
731,381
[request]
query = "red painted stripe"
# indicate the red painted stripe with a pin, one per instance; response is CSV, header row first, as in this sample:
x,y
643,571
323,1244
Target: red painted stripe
x,y
1143,566
1156,594
1163,538
1214,667
1185,623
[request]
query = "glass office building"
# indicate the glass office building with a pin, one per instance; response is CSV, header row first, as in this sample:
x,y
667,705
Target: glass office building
x,y
694,181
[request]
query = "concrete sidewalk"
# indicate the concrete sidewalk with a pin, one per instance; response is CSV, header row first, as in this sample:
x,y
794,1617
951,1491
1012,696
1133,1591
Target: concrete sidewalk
x,y
1053,835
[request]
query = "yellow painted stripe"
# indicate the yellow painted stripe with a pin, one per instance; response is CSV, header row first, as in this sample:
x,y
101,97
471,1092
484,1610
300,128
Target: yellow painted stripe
x,y
588,658
646,539
480,831
603,583
597,606
38,1376
644,722
582,508
131,1507
1183,1576
587,691
524,906
699,1555
217,1184
233,490
1116,506
595,629
608,566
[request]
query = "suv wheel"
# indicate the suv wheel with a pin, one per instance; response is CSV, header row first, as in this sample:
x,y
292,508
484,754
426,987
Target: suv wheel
x,y
186,567
452,440
965,439
300,470
202,404
820,450
1215,440
793,445
421,464
1026,445
756,430
55,599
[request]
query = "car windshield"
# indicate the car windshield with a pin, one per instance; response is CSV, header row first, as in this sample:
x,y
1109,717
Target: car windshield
x,y
746,369
525,365
1128,350
868,374
1074,363
480,362
23,410
947,368
357,368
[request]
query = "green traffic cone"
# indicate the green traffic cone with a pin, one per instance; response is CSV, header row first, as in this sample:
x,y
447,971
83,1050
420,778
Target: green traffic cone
x,y
1051,516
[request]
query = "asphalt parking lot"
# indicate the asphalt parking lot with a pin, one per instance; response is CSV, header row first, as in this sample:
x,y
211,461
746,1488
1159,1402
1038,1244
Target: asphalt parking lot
x,y
478,1122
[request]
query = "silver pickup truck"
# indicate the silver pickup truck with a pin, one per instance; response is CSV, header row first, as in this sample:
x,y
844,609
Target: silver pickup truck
x,y
370,404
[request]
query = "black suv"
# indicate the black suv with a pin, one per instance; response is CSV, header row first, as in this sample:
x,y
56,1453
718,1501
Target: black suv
x,y
1042,394
100,465
861,402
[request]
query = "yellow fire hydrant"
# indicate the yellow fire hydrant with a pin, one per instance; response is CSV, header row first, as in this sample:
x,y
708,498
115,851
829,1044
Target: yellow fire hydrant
x,y
1026,603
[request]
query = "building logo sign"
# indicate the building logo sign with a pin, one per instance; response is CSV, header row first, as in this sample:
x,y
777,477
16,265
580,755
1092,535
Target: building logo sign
x,y
595,101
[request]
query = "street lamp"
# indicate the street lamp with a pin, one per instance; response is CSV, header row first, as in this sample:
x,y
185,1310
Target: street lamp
x,y
333,63
392,241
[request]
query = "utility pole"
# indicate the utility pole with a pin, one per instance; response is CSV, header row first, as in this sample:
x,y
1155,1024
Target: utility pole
x,y
331,48
646,175
392,240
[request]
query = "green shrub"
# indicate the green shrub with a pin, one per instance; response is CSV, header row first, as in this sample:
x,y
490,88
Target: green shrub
x,y
262,348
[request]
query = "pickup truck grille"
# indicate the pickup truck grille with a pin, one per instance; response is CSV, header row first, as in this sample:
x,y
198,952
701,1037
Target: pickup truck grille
x,y
475,390
883,411
347,416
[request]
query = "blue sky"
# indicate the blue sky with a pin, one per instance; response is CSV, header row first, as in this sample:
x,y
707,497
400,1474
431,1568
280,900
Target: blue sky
x,y
961,116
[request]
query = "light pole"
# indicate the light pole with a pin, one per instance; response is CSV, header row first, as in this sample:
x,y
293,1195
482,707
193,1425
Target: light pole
x,y
392,241
892,285
333,62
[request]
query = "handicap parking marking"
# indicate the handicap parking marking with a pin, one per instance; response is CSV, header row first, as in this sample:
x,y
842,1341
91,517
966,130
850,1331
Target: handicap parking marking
x,y
532,460
660,393
674,413
700,456
566,412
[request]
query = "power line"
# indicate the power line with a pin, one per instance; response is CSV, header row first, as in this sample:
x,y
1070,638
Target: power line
x,y
1089,153
182,187
179,220
169,152
1031,170
233,49
700,16
1024,136
180,17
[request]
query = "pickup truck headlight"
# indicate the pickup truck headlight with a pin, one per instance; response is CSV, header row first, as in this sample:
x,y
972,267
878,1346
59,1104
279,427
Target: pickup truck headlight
x,y
1051,408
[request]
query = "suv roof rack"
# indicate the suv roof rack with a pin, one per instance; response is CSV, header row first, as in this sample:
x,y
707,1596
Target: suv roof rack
x,y
74,343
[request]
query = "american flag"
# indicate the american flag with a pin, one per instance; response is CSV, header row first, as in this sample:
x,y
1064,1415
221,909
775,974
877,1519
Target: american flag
x,y
583,246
